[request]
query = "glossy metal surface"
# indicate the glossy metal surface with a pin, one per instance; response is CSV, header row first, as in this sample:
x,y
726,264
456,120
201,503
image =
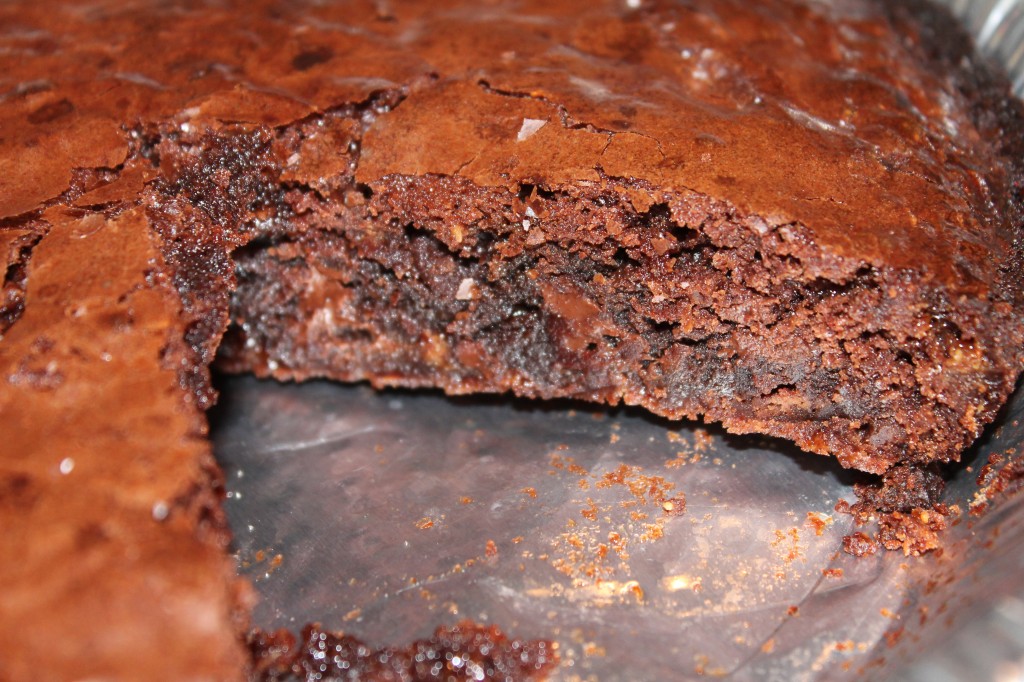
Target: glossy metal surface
x,y
998,28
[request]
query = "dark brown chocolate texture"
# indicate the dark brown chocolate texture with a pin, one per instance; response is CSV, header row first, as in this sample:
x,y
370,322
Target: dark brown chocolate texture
x,y
465,651
791,217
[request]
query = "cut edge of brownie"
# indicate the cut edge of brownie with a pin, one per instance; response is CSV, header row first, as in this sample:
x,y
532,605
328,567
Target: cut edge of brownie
x,y
611,291
617,291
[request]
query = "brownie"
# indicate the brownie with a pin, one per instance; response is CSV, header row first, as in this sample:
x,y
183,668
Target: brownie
x,y
465,651
795,218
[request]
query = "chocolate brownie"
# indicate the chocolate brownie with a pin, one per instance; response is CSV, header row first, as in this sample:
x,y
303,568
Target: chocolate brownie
x,y
465,651
795,218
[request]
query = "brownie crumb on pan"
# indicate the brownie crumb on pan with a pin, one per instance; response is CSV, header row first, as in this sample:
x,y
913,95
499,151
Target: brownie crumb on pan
x,y
465,651
795,218
907,507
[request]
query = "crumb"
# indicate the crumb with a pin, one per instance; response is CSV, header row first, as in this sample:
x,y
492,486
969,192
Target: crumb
x,y
675,506
1002,474
633,587
915,533
859,544
818,522
791,538
892,637
701,440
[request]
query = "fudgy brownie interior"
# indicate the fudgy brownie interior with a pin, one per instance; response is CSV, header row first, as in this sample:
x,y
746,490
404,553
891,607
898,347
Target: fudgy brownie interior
x,y
612,290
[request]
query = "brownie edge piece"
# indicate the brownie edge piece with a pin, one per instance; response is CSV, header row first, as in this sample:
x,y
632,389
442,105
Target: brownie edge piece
x,y
796,218
795,237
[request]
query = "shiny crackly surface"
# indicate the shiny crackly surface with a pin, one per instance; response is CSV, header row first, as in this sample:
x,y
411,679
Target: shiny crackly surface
x,y
132,135
799,112
113,537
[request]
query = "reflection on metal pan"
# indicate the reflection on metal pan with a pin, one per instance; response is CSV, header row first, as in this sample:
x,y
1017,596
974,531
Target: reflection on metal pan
x,y
998,28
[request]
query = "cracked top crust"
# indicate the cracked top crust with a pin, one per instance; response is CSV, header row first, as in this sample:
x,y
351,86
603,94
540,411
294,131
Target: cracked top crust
x,y
806,112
